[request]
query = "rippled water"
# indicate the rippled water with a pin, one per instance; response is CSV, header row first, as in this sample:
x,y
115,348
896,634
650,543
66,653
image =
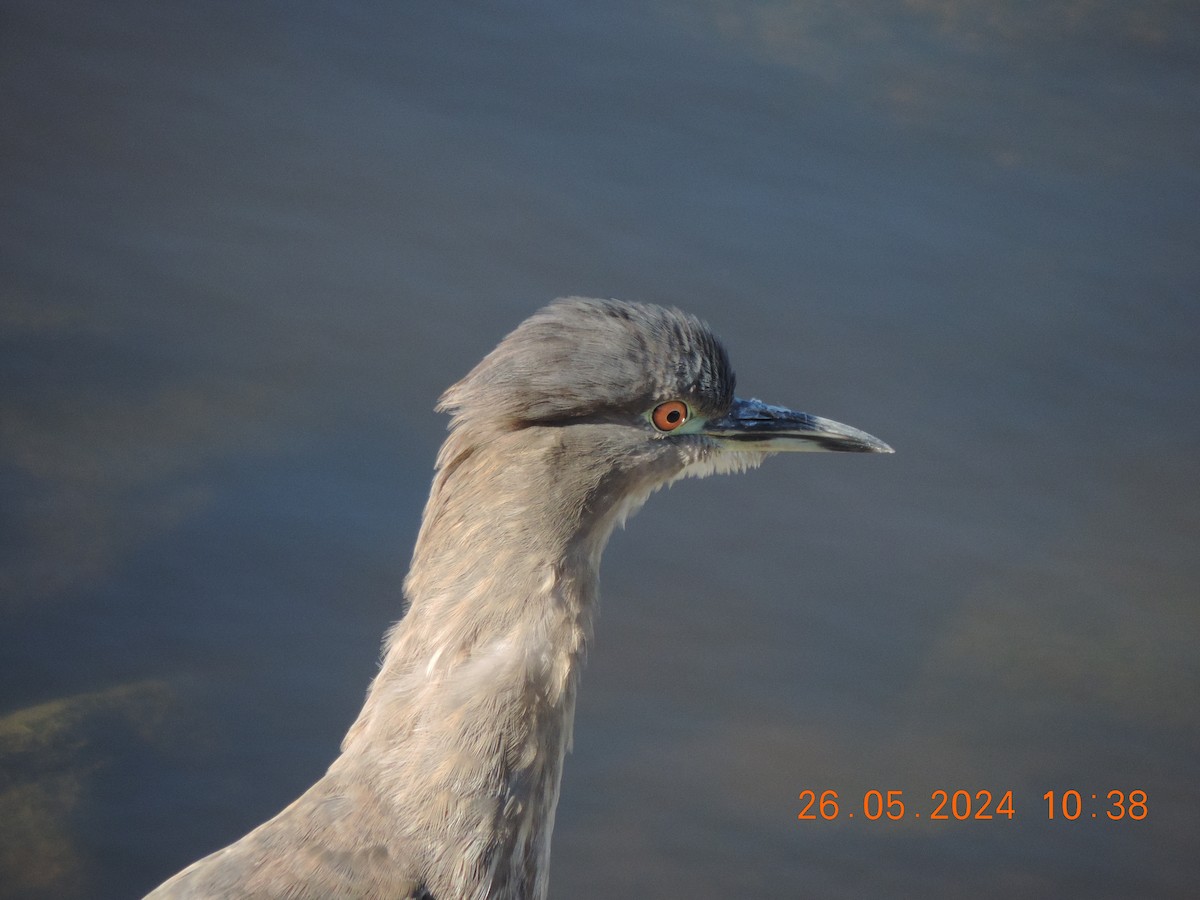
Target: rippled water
x,y
245,246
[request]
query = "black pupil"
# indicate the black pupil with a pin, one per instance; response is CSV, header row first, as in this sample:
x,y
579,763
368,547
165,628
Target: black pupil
x,y
673,416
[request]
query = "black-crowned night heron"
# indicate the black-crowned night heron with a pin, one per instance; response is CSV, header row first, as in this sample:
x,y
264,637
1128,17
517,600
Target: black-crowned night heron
x,y
447,782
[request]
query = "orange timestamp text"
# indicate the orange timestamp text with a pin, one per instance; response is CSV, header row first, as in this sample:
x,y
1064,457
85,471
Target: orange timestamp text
x,y
963,805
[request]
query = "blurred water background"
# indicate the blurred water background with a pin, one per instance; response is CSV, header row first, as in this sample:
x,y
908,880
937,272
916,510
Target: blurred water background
x,y
244,246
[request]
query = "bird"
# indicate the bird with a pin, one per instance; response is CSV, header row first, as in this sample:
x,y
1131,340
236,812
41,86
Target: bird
x,y
448,780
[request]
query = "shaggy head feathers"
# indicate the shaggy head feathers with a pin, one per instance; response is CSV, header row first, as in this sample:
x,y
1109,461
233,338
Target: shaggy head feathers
x,y
583,359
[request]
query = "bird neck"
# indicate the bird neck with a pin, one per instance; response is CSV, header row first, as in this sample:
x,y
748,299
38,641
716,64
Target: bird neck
x,y
465,728
467,723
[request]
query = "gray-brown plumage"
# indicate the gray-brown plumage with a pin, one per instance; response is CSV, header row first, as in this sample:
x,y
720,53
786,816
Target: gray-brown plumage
x,y
447,782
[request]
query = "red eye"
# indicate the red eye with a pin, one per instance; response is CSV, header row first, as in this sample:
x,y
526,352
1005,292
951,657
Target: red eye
x,y
670,415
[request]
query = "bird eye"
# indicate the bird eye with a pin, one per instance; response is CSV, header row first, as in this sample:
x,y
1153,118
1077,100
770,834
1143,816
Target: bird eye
x,y
670,415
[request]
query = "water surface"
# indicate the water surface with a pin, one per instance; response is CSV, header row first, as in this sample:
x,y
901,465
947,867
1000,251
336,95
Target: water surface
x,y
245,246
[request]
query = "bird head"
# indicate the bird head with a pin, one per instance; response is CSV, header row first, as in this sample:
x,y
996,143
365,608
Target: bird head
x,y
651,386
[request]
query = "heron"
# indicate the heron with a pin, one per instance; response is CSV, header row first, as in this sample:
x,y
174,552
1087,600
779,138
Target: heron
x,y
448,780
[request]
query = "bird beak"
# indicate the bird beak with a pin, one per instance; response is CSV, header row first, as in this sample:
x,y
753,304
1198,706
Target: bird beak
x,y
754,425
